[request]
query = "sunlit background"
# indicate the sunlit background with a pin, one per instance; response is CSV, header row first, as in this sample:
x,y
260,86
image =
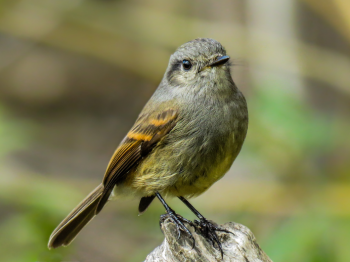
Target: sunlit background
x,y
74,74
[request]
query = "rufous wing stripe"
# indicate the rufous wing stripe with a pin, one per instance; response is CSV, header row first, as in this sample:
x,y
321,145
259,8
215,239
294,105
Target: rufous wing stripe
x,y
139,136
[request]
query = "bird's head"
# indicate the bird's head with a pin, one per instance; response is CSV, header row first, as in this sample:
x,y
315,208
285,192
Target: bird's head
x,y
199,62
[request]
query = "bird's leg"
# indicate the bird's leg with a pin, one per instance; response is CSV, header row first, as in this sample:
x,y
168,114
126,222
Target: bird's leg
x,y
205,227
177,219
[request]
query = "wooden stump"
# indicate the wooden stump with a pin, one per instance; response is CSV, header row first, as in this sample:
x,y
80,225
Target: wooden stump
x,y
240,246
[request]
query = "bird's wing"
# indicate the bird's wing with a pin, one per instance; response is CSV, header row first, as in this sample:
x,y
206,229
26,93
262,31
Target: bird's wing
x,y
138,143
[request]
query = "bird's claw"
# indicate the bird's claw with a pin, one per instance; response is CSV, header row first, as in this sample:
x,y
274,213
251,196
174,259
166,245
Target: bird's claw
x,y
208,230
179,223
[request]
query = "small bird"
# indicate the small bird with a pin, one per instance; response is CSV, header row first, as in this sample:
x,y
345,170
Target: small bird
x,y
184,140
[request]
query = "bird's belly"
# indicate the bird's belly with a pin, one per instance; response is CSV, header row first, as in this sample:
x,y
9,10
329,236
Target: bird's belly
x,y
178,172
194,184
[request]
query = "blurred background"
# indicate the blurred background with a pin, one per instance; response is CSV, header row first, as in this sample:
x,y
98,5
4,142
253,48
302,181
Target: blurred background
x,y
74,74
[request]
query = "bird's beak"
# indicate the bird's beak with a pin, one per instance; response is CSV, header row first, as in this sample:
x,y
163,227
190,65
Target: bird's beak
x,y
220,60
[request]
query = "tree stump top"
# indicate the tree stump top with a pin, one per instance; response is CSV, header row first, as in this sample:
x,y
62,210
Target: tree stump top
x,y
240,246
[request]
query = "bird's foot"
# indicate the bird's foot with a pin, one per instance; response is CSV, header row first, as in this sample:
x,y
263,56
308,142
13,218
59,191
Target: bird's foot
x,y
208,230
179,223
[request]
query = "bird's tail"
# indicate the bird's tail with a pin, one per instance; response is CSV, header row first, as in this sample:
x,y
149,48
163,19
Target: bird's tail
x,y
69,228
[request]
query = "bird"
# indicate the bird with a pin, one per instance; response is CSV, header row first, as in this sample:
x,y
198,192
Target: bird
x,y
184,140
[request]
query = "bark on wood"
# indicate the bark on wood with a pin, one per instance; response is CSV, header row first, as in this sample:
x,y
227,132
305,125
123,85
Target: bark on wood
x,y
240,246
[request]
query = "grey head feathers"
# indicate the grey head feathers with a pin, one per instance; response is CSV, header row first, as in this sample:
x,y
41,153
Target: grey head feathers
x,y
200,53
200,83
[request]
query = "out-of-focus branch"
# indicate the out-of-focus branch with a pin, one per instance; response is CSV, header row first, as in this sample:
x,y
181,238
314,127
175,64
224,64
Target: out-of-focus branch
x,y
240,246
335,12
62,194
101,32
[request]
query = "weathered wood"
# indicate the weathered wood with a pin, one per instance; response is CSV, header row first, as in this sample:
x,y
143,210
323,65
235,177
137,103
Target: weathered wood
x,y
240,246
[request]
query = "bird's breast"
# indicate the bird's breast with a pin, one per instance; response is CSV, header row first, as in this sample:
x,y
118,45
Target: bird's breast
x,y
195,154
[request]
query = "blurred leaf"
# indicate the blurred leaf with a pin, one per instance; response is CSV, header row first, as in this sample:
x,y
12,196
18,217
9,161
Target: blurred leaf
x,y
308,238
14,134
284,130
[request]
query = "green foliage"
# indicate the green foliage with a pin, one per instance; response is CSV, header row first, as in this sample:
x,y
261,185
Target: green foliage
x,y
311,237
13,134
292,138
25,224
284,130
24,238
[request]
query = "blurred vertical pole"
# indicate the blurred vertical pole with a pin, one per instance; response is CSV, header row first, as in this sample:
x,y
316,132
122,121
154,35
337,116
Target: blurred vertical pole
x,y
343,8
276,19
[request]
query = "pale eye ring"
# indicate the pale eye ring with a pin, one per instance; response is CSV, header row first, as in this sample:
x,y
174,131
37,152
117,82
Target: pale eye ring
x,y
186,65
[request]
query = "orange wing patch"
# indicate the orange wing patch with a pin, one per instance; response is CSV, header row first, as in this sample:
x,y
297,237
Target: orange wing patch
x,y
147,130
164,118
157,122
139,142
138,136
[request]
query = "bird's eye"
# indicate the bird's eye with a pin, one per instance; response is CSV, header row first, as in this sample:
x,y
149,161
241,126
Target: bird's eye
x,y
186,65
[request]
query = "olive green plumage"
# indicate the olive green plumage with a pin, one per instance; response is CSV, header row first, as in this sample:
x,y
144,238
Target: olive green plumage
x,y
185,139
